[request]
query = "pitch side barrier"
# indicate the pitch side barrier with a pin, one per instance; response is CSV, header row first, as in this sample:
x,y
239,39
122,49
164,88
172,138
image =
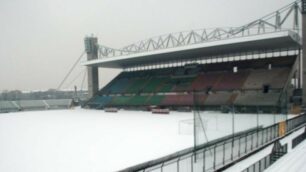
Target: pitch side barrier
x,y
223,152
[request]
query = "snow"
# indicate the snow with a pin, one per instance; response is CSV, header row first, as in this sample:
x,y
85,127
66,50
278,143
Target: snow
x,y
86,140
93,140
244,164
289,139
293,161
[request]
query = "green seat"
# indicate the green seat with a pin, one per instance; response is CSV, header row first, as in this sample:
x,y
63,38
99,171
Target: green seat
x,y
153,84
138,100
155,100
136,85
120,100
182,84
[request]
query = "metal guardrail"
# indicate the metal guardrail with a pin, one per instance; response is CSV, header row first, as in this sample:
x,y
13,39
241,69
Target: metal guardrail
x,y
215,155
268,160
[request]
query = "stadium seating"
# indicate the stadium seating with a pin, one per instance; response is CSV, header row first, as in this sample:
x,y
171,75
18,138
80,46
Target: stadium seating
x,y
138,100
7,106
32,104
220,98
58,103
182,84
184,100
119,86
275,78
199,99
120,100
155,100
231,81
100,101
214,84
165,87
136,85
205,81
257,98
154,84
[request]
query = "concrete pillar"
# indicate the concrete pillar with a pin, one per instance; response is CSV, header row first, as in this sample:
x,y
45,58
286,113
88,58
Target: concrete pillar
x,y
91,47
303,79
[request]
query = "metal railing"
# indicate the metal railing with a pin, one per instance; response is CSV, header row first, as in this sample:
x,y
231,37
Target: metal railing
x,y
261,165
268,160
215,155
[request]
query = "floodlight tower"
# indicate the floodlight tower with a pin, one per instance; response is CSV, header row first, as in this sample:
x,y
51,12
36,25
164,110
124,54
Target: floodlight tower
x,y
91,48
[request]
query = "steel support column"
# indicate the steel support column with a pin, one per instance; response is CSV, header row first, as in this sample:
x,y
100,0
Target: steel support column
x,y
303,78
91,47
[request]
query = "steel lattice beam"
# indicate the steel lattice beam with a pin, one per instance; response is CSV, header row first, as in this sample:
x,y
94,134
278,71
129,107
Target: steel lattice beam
x,y
277,21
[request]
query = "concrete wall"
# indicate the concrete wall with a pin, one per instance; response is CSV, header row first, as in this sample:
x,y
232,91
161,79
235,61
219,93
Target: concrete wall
x,y
91,46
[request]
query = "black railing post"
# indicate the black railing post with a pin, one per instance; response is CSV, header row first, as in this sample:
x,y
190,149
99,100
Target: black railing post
x,y
239,146
273,132
232,149
161,167
214,167
246,143
191,165
262,137
178,164
252,142
288,126
257,125
270,134
204,160
224,152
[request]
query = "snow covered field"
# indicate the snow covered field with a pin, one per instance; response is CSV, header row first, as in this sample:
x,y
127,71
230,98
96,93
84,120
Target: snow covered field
x,y
86,140
90,140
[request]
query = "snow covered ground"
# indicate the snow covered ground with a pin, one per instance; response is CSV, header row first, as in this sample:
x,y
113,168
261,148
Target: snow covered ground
x,y
86,140
258,156
91,140
293,161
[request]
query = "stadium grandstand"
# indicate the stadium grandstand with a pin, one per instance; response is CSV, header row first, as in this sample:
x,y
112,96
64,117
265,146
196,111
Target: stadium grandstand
x,y
256,68
30,105
259,82
14,101
257,65
234,99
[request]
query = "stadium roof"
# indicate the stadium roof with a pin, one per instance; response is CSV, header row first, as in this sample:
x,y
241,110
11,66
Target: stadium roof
x,y
269,41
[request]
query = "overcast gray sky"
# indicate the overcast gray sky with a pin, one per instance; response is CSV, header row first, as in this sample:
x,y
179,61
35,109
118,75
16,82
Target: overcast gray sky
x,y
41,39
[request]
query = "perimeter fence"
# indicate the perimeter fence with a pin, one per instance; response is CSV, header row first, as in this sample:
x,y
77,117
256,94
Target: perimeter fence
x,y
217,154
